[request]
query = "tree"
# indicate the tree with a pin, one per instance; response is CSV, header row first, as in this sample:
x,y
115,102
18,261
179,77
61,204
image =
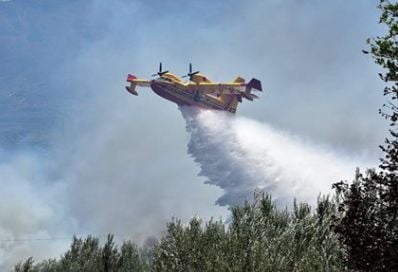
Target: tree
x,y
89,256
260,237
367,223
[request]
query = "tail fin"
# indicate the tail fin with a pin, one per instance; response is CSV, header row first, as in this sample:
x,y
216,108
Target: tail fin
x,y
134,81
131,78
254,84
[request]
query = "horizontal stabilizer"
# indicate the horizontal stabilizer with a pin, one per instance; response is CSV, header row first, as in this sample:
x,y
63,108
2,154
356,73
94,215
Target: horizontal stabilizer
x,y
249,96
253,96
131,90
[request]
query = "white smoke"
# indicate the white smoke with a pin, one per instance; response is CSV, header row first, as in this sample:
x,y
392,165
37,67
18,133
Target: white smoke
x,y
29,210
97,183
241,155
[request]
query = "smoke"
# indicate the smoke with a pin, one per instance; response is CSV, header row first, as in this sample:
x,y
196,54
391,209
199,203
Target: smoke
x,y
241,155
103,181
120,184
98,184
29,209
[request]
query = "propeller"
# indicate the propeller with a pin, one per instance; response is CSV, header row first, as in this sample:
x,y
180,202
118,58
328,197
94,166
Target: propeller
x,y
190,74
160,73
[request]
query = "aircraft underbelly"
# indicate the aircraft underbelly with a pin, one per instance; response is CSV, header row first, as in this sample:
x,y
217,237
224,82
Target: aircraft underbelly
x,y
164,92
183,97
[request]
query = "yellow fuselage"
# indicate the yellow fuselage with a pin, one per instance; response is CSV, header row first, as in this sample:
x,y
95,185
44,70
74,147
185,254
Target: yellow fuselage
x,y
189,94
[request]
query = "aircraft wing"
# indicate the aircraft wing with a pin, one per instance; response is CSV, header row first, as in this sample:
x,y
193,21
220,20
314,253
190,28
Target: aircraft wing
x,y
233,88
220,88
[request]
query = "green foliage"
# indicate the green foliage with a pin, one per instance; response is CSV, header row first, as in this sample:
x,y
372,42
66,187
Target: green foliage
x,y
259,238
89,256
384,51
367,222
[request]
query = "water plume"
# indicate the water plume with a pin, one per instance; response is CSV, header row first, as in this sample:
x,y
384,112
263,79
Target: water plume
x,y
241,155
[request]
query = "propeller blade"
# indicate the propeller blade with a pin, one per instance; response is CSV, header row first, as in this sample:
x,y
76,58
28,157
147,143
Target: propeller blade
x,y
160,73
190,73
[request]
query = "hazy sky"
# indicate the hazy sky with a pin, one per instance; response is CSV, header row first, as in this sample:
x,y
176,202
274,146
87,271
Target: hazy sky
x,y
78,151
307,54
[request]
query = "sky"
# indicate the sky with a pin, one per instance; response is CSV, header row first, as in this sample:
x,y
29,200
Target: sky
x,y
78,154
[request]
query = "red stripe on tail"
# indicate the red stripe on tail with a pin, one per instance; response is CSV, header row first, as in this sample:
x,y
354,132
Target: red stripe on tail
x,y
131,78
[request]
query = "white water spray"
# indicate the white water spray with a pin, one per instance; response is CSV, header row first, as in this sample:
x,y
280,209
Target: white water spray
x,y
241,155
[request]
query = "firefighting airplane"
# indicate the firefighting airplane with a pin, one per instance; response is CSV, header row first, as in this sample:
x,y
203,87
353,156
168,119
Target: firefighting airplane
x,y
199,90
